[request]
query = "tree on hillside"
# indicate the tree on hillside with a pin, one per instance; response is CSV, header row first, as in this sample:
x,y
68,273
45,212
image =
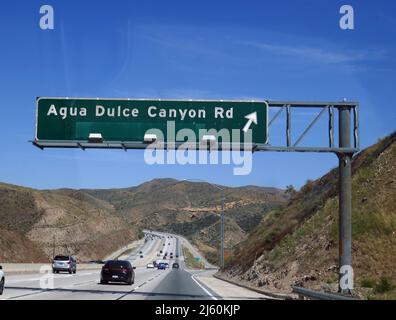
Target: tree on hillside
x,y
290,190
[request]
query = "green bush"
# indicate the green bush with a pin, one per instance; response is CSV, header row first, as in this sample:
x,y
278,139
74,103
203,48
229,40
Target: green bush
x,y
384,285
140,233
368,283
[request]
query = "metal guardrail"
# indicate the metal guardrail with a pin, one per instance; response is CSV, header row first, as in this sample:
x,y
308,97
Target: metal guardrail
x,y
317,295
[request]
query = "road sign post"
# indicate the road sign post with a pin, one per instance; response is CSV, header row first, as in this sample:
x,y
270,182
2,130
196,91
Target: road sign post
x,y
345,204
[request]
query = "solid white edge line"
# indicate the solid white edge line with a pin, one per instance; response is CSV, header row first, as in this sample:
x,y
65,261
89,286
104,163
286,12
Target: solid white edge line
x,y
203,288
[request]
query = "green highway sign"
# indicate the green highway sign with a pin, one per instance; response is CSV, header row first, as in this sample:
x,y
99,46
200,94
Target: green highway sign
x,y
67,120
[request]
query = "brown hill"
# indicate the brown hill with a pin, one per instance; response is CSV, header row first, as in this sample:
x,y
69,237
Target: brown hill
x,y
93,223
297,244
37,223
192,209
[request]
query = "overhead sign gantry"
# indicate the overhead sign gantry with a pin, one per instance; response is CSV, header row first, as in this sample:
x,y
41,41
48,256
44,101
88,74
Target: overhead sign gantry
x,y
124,123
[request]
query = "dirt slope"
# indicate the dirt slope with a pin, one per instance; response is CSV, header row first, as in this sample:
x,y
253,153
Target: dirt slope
x,y
298,243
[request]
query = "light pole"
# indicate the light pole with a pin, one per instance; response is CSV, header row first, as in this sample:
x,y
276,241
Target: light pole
x,y
221,217
53,247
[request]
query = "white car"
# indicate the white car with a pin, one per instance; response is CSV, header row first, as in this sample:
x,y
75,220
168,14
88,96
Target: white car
x,y
150,266
2,280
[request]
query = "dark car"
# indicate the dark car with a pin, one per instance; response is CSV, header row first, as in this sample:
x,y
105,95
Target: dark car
x,y
161,266
117,271
175,266
64,263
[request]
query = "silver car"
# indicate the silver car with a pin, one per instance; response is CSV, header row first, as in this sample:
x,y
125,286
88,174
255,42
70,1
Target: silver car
x,y
64,263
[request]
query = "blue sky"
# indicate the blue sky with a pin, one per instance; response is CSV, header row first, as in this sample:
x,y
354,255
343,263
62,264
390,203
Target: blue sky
x,y
280,50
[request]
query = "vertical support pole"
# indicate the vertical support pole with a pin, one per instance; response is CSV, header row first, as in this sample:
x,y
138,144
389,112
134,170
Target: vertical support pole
x,y
222,231
345,203
356,126
331,127
288,126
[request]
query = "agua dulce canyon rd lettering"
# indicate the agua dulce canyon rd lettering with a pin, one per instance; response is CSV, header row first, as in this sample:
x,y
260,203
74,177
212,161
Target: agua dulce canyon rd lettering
x,y
133,112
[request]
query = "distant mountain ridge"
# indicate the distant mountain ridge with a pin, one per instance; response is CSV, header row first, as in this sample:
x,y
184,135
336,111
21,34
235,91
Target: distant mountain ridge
x,y
92,223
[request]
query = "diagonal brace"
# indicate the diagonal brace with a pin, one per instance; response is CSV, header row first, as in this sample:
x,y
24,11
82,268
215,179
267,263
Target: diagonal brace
x,y
310,126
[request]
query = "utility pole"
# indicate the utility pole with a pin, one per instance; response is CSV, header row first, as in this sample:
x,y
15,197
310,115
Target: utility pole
x,y
53,246
345,203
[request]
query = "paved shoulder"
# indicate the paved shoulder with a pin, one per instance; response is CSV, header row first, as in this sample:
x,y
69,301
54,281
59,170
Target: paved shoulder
x,y
227,290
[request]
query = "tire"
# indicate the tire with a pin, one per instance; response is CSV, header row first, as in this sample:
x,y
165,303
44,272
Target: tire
x,y
103,282
1,286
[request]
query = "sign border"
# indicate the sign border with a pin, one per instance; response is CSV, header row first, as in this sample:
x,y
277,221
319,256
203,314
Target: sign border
x,y
147,99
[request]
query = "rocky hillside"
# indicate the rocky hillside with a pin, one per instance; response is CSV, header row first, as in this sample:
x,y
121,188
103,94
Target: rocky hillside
x,y
34,224
192,209
93,223
298,243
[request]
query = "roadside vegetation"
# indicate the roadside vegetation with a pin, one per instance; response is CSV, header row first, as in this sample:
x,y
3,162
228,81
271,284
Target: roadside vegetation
x,y
298,243
190,260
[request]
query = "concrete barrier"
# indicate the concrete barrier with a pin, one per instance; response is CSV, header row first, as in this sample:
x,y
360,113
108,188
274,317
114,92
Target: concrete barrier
x,y
15,268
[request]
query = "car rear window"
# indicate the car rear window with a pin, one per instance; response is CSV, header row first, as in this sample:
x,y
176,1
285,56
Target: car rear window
x,y
117,264
61,258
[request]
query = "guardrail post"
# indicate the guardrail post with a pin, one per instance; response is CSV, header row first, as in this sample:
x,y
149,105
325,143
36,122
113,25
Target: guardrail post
x,y
345,203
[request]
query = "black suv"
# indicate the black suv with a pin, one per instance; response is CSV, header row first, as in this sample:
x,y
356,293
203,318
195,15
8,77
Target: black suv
x,y
117,271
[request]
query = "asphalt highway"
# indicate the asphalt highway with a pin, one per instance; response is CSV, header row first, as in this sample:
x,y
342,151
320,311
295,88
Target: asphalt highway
x,y
150,283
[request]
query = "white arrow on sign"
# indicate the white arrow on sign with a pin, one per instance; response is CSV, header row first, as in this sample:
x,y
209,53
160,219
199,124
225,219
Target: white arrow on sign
x,y
252,117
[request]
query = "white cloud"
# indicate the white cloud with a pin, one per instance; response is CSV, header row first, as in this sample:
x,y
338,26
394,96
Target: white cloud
x,y
319,54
